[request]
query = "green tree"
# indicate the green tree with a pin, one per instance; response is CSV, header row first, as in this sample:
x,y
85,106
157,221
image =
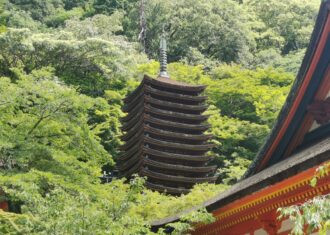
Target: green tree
x,y
249,94
40,117
91,64
96,26
37,8
236,143
110,6
218,30
2,19
285,24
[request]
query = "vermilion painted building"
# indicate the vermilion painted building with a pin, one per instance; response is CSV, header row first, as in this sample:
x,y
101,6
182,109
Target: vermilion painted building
x,y
298,144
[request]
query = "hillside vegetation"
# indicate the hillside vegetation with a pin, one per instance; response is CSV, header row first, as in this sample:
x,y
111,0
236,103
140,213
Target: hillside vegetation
x,y
66,65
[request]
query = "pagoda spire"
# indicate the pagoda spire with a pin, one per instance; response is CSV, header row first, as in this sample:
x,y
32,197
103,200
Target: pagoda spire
x,y
163,55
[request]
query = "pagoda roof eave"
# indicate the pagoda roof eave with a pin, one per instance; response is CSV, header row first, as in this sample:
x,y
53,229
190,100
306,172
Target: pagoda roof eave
x,y
201,147
137,131
171,105
132,170
166,189
173,178
139,117
176,167
124,165
135,102
148,140
200,127
126,155
132,113
176,135
140,96
131,142
173,84
133,94
132,153
132,131
174,156
147,108
174,95
167,113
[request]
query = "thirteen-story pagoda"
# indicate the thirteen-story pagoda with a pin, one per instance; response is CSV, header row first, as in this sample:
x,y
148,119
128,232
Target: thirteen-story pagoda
x,y
164,134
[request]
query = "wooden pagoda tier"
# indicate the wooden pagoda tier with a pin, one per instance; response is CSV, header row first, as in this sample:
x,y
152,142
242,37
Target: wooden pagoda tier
x,y
164,136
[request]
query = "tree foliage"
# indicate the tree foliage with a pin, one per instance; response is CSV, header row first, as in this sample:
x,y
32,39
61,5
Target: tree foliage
x,y
216,29
287,23
90,63
41,119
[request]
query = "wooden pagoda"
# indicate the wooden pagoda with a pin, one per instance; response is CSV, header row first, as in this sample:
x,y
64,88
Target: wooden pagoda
x,y
164,134
298,144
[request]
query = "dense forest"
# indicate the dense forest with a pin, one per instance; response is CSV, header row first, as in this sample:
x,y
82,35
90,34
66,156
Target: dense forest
x,y
66,65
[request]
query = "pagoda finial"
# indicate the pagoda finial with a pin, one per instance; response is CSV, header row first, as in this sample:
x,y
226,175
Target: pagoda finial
x,y
163,55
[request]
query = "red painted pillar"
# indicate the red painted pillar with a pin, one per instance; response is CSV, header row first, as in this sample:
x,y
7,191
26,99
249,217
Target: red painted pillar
x,y
4,206
271,224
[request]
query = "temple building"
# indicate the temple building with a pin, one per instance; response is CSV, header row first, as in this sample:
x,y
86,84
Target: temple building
x,y
298,144
164,134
